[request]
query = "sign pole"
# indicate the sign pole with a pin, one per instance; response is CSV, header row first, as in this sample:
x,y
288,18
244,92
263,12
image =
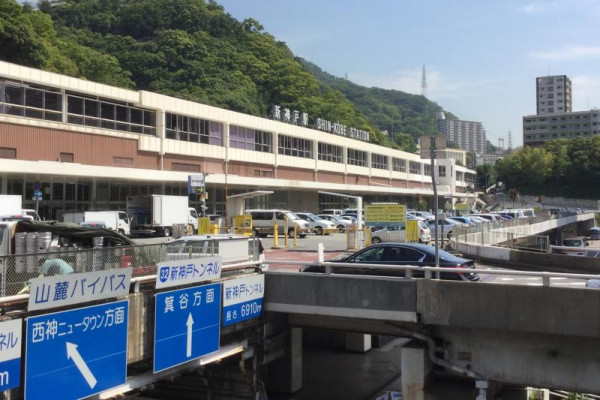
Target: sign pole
x,y
435,205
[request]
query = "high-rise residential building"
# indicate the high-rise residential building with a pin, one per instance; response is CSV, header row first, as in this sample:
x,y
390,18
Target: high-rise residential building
x,y
467,135
553,94
538,129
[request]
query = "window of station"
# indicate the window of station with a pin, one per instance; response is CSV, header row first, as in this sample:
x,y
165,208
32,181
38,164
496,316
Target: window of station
x,y
398,165
110,115
250,139
295,147
427,169
66,157
414,167
196,130
30,101
331,152
441,170
8,152
379,161
357,157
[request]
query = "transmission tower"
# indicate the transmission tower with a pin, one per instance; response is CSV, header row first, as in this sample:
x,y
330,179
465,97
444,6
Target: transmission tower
x,y
501,144
509,141
424,83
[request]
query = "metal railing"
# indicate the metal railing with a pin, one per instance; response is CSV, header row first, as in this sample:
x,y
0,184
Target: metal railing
x,y
408,271
511,240
515,233
17,270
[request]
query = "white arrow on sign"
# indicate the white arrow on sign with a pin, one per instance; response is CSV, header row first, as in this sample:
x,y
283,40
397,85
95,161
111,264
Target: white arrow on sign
x,y
189,324
73,354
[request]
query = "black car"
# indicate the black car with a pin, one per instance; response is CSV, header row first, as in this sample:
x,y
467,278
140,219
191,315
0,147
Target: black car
x,y
416,254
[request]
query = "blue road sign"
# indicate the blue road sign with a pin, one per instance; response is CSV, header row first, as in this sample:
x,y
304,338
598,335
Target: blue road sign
x,y
37,185
243,298
10,354
76,353
186,325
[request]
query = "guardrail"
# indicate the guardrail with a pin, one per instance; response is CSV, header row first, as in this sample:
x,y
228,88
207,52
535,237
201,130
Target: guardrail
x,y
515,234
16,270
431,272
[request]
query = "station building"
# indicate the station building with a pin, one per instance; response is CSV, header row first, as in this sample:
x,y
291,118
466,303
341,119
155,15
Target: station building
x,y
91,145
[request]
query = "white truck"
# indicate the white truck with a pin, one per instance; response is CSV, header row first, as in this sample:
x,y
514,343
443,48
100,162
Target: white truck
x,y
10,204
115,220
157,214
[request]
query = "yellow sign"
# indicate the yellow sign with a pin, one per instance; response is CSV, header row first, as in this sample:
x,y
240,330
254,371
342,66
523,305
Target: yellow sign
x,y
461,207
243,224
203,226
385,213
412,231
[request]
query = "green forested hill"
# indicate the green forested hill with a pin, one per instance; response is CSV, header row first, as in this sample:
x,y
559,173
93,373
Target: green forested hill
x,y
193,49
408,115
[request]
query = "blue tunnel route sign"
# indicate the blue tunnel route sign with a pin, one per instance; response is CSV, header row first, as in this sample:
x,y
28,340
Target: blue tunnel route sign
x,y
76,353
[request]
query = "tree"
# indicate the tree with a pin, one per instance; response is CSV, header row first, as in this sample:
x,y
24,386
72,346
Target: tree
x,y
486,175
513,194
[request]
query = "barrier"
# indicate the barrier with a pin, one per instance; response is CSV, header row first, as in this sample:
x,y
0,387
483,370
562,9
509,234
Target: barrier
x,y
351,238
368,236
285,232
295,234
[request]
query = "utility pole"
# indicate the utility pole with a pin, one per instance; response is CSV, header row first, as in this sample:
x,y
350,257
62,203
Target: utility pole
x,y
435,203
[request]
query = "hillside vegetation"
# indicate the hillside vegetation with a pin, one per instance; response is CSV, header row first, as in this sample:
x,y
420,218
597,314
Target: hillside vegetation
x,y
569,168
193,49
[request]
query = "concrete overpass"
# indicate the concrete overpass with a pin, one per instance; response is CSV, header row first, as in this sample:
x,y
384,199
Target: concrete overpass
x,y
520,335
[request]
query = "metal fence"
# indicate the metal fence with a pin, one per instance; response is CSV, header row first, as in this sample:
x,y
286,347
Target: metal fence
x,y
17,270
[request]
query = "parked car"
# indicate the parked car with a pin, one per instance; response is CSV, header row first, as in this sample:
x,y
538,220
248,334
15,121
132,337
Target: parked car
x,y
594,233
400,254
351,218
333,211
340,223
263,220
576,241
445,226
464,220
318,225
391,234
93,224
422,214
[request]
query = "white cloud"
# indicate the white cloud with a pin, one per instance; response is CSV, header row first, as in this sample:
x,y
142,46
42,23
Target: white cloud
x,y
539,7
439,87
590,7
569,53
586,92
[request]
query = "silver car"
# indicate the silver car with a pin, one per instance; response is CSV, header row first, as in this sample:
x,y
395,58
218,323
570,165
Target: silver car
x,y
340,223
318,225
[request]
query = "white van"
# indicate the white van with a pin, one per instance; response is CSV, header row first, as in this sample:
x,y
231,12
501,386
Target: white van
x,y
333,211
263,220
515,214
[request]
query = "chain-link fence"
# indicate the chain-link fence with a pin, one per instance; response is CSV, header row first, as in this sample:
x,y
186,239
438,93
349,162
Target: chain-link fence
x,y
16,270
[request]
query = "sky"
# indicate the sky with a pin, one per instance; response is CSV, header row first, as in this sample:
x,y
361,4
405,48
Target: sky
x,y
481,56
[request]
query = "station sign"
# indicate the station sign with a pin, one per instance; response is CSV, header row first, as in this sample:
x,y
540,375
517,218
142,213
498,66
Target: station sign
x,y
196,183
385,213
186,325
186,271
76,353
10,353
63,290
243,299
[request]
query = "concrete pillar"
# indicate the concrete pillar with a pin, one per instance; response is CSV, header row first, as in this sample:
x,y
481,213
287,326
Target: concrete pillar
x,y
358,342
415,367
284,375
